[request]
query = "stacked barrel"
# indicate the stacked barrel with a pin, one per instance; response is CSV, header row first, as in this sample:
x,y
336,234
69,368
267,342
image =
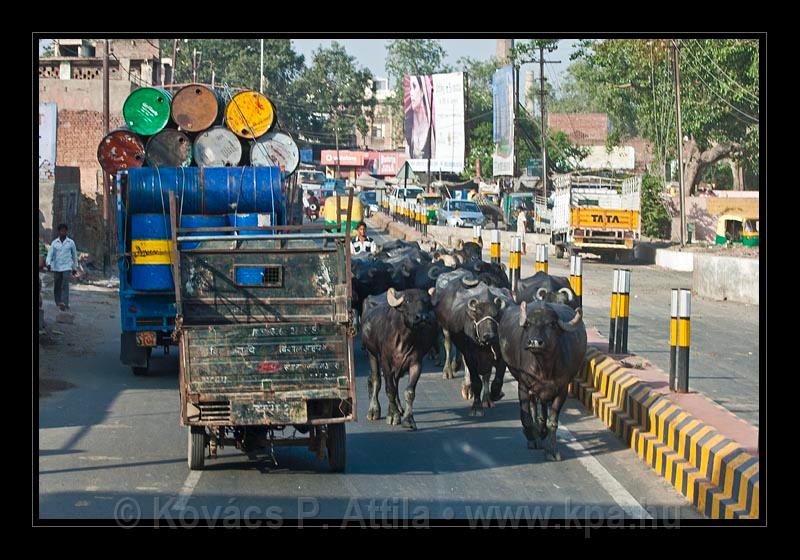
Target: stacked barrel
x,y
193,144
196,127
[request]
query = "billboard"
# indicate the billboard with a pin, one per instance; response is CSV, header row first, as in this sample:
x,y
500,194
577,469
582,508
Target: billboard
x,y
503,121
433,108
47,141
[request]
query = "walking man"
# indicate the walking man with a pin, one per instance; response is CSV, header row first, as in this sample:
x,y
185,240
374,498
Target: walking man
x,y
62,259
522,222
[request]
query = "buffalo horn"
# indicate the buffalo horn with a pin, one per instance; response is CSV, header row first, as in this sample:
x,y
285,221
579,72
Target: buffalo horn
x,y
523,313
391,297
470,282
473,304
436,270
566,291
571,325
540,293
500,302
431,291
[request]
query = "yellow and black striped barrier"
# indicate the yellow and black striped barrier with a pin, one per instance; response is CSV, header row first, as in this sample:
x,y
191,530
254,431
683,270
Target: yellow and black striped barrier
x,y
541,259
494,249
515,262
576,277
684,339
424,220
623,310
673,336
477,235
612,326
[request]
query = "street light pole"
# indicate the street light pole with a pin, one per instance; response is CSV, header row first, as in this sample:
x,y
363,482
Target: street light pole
x,y
261,81
106,182
681,186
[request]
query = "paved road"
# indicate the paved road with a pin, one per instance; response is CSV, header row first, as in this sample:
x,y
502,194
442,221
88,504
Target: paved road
x,y
112,443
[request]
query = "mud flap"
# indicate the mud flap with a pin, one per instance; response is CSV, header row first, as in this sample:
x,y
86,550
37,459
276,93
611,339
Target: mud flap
x,y
129,353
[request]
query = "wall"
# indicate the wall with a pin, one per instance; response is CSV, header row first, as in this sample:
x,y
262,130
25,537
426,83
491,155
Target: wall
x,y
726,278
46,211
703,211
584,129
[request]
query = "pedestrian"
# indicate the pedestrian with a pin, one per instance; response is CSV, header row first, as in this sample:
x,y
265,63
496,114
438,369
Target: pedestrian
x,y
522,223
62,260
361,243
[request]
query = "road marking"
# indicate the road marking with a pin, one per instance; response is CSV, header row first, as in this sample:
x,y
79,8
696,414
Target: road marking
x,y
186,491
610,484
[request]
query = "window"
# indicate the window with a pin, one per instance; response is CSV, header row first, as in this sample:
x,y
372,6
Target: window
x,y
377,131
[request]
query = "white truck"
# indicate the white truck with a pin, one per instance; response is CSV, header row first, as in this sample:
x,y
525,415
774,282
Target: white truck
x,y
597,215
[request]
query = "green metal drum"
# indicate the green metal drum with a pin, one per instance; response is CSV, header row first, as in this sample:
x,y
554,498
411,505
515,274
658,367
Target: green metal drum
x,y
146,110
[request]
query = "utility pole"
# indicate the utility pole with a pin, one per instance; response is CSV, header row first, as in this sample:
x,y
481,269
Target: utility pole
x,y
159,81
106,182
544,121
174,64
515,77
681,186
261,82
194,65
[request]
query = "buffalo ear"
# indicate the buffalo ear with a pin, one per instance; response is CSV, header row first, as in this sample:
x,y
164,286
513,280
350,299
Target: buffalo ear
x,y
523,313
500,302
473,304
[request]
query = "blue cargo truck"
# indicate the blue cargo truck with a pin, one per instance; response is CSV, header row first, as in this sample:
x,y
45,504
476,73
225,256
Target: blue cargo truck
x,y
205,197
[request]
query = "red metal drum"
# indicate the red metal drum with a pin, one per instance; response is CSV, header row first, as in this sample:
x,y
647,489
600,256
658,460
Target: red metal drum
x,y
119,150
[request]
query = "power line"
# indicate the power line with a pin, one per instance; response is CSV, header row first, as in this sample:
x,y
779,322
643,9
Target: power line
x,y
733,80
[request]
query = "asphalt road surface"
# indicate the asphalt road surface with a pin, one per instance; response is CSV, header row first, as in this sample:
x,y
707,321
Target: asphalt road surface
x,y
110,446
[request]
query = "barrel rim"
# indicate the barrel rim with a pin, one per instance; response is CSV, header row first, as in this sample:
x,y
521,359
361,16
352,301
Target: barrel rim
x,y
213,92
137,93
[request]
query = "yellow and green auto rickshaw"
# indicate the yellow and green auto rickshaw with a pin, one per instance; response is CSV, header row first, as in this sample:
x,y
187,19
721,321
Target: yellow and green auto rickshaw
x,y
735,228
329,213
432,202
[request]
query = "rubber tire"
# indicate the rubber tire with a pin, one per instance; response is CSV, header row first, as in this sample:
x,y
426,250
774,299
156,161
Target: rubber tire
x,y
196,452
337,455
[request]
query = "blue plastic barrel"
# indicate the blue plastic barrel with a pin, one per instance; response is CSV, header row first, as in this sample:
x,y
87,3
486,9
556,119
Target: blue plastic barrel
x,y
202,220
206,190
251,219
151,252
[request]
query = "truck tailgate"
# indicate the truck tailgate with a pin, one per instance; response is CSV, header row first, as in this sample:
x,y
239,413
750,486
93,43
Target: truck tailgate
x,y
603,218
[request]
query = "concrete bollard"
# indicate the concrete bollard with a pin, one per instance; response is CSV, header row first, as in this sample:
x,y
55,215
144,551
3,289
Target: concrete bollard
x,y
494,249
684,339
514,263
612,327
541,259
576,277
424,220
673,336
477,235
623,310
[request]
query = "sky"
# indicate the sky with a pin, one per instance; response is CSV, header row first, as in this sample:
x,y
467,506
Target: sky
x,y
372,53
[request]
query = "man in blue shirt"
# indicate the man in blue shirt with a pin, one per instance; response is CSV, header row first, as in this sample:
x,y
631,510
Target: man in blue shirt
x,y
62,258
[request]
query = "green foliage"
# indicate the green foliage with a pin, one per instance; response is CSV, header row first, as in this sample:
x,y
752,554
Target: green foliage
x,y
656,220
721,175
632,80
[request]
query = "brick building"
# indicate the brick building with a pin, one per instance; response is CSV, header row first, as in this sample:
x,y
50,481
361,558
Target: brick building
x,y
73,79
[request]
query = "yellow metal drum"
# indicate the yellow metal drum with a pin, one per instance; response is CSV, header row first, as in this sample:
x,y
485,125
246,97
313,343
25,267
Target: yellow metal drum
x,y
249,114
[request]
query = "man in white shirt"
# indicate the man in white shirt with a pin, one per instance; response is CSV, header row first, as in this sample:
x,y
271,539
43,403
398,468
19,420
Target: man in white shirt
x,y
62,259
360,243
522,222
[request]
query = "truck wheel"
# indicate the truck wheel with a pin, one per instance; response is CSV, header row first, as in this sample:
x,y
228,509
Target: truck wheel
x,y
196,447
336,447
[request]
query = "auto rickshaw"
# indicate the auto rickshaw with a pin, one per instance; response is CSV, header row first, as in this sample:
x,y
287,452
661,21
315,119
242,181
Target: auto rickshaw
x,y
340,201
734,228
432,202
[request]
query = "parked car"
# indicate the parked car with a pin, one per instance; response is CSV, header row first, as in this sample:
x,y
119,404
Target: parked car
x,y
369,199
460,213
408,193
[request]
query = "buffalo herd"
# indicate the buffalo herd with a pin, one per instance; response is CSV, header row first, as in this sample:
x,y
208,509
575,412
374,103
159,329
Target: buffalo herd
x,y
412,300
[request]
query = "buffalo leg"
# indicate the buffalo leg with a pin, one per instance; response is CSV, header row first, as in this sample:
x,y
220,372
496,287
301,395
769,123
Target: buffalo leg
x,y
497,384
551,442
411,390
393,417
374,389
476,387
529,428
447,372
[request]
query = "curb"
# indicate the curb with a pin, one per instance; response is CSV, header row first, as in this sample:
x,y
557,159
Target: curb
x,y
717,475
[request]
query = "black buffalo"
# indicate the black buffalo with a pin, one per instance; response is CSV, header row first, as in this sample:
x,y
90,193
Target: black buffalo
x,y
543,345
490,273
544,287
397,334
468,311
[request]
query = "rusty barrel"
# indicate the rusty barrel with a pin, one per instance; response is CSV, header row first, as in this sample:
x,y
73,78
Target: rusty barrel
x,y
119,150
249,114
169,148
217,147
146,110
196,107
275,148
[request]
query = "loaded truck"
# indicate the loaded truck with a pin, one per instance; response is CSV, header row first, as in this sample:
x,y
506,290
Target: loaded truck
x,y
597,215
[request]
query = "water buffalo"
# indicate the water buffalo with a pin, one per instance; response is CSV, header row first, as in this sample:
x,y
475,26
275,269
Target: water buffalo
x,y
468,251
426,274
543,345
490,273
468,311
370,276
544,287
397,334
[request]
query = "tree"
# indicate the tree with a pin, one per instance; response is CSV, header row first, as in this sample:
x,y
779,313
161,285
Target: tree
x,y
339,91
236,62
656,220
632,80
411,57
